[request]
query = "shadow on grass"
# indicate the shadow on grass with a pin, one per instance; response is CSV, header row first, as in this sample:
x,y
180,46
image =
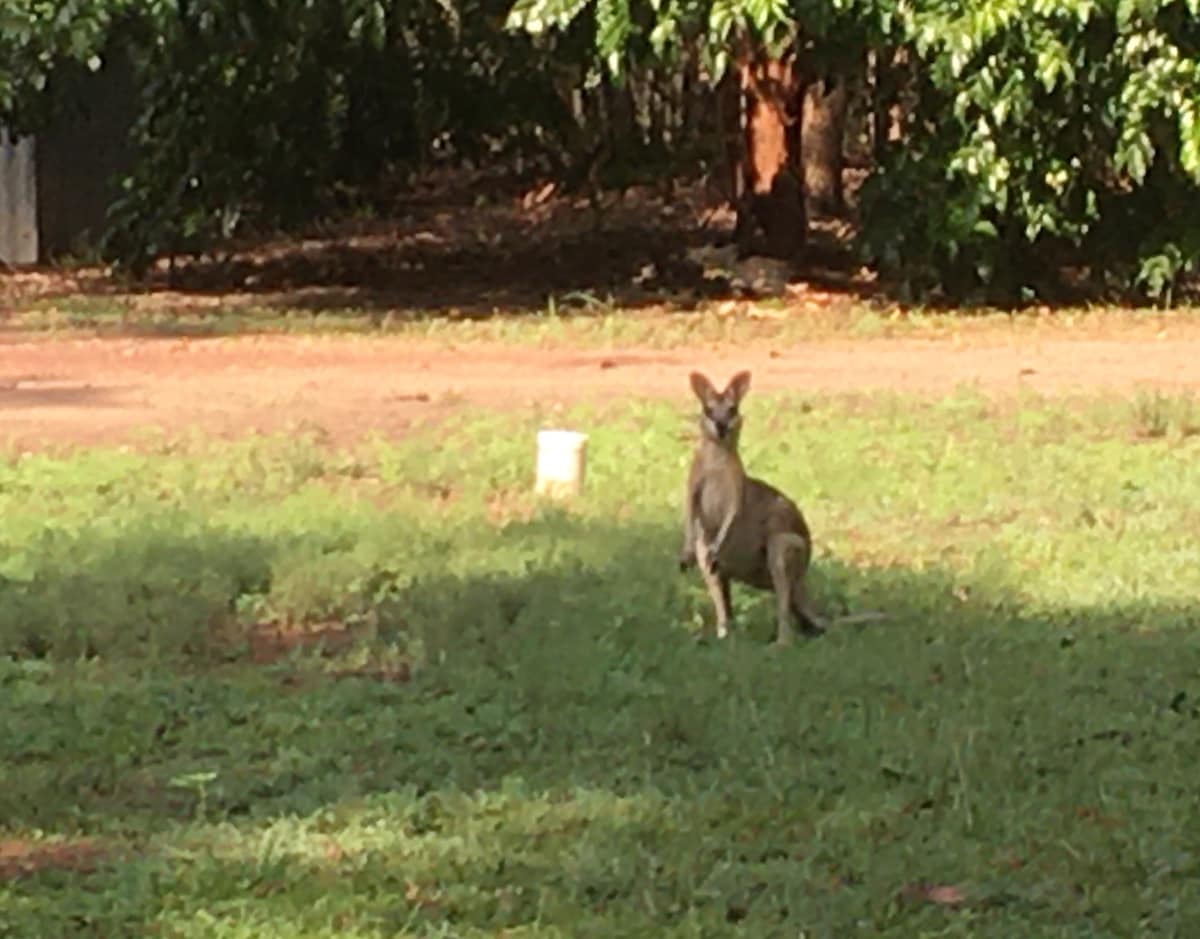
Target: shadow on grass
x,y
567,761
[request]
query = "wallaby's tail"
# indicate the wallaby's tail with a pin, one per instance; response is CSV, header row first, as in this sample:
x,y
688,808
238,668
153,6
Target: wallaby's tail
x,y
858,619
816,625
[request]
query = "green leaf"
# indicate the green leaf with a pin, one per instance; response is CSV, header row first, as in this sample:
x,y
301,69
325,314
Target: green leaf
x,y
613,27
1135,154
986,228
1189,139
536,16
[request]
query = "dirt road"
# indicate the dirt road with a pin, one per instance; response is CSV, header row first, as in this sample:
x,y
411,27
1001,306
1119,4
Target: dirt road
x,y
90,391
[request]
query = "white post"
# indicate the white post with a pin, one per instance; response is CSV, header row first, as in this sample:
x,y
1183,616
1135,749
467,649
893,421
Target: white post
x,y
561,462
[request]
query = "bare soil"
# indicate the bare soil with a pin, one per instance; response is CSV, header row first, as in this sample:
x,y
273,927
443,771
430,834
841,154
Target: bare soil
x,y
20,858
109,391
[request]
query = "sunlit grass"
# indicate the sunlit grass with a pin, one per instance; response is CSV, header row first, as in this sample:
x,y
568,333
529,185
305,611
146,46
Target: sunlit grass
x,y
583,320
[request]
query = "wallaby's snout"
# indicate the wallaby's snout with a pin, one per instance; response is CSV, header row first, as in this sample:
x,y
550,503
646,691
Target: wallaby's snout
x,y
722,419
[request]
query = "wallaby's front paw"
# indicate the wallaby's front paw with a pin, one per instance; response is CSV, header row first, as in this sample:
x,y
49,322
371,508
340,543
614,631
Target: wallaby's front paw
x,y
711,558
687,558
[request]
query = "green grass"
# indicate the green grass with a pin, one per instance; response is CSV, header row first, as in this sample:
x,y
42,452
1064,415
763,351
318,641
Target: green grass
x,y
564,761
582,320
559,323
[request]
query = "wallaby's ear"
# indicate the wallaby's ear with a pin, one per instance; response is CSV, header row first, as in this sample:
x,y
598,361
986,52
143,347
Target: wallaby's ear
x,y
702,387
738,386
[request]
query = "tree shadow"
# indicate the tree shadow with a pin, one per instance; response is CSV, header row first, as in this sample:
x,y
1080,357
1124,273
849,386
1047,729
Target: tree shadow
x,y
444,256
562,746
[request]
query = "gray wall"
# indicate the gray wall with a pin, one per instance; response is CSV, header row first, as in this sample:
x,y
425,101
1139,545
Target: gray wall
x,y
18,200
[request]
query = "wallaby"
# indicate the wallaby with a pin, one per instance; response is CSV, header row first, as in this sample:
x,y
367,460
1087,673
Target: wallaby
x,y
740,528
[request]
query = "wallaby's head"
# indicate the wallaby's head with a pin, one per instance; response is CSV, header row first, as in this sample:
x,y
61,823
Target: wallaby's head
x,y
719,417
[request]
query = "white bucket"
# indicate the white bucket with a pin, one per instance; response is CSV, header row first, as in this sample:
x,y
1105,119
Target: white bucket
x,y
561,460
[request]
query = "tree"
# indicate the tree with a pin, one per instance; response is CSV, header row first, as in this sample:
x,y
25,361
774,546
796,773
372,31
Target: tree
x,y
823,131
1041,139
772,177
767,45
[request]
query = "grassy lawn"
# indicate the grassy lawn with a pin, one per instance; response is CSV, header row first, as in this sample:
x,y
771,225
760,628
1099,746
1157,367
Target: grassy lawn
x,y
521,740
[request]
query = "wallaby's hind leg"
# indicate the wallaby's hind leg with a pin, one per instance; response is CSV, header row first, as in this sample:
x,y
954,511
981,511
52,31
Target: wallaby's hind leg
x,y
787,560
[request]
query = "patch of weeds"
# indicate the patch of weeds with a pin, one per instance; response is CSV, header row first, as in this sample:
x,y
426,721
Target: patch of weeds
x,y
1155,414
869,325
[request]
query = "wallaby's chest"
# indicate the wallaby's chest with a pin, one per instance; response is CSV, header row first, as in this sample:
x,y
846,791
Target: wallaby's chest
x,y
716,491
715,503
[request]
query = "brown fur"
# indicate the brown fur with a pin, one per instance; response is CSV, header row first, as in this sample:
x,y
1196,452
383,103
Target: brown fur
x,y
743,529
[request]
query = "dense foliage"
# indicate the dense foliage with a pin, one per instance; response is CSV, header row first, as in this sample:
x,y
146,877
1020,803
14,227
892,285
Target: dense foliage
x,y
1044,134
255,113
1036,137
37,37
274,111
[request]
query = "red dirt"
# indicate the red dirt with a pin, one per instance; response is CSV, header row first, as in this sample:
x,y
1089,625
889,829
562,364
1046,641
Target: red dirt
x,y
21,858
107,391
269,643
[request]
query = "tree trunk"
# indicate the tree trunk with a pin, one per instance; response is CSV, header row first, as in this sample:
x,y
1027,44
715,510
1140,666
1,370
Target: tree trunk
x,y
772,197
823,132
729,126
887,106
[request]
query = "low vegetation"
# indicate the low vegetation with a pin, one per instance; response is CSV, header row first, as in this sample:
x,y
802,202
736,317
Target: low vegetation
x,y
503,727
